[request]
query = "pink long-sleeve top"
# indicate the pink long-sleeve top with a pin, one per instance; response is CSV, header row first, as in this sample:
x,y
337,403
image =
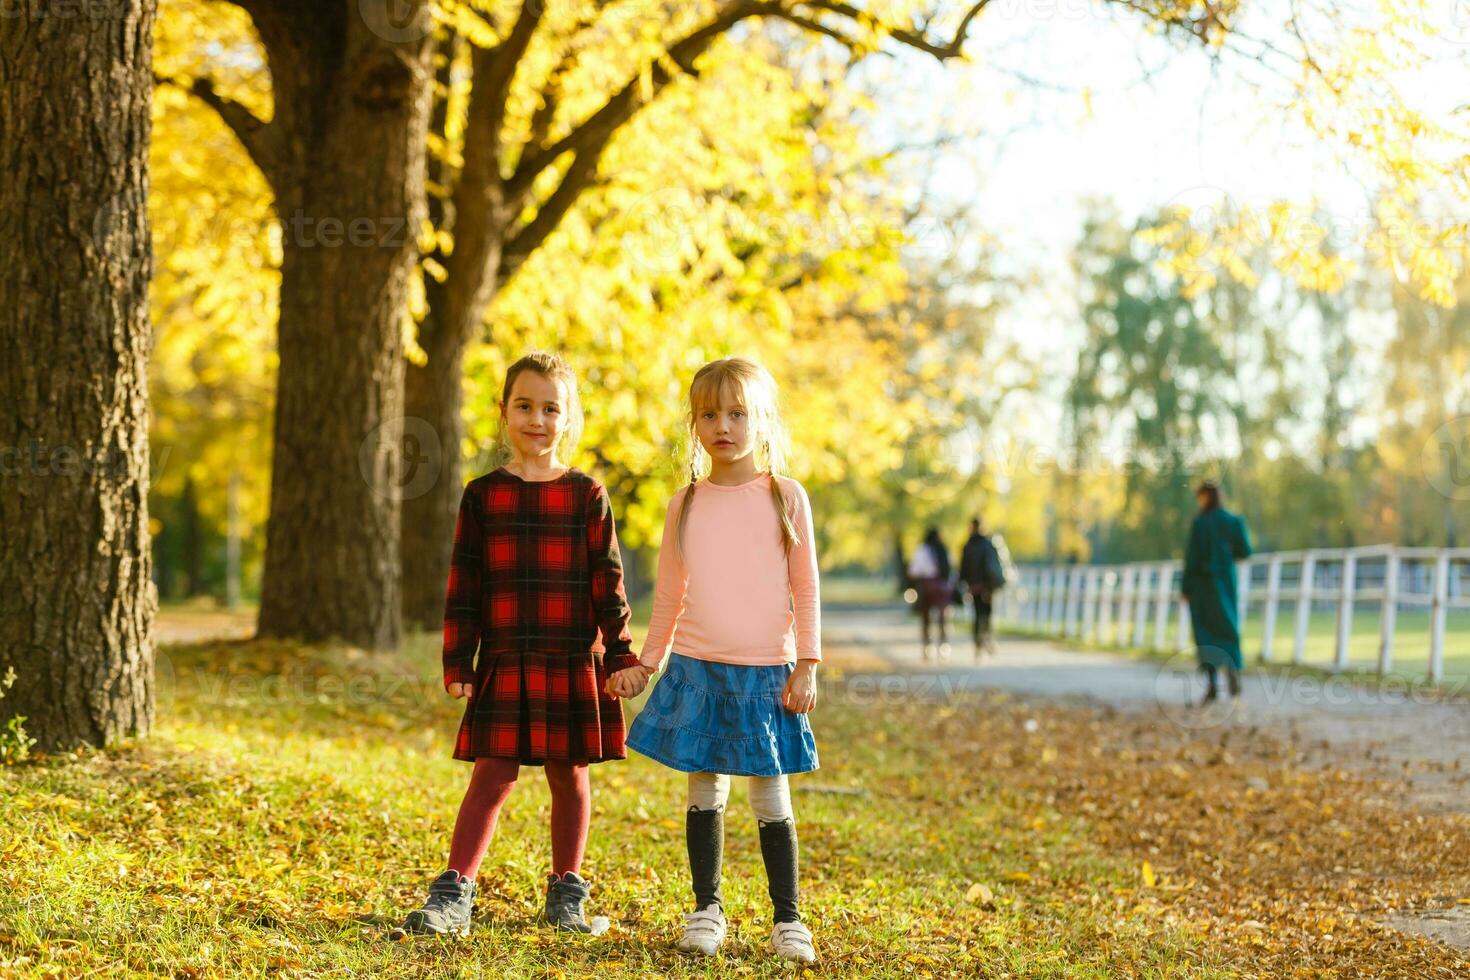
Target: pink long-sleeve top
x,y
731,594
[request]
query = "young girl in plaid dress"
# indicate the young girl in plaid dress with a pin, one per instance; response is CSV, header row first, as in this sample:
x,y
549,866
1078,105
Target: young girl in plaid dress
x,y
737,600
536,588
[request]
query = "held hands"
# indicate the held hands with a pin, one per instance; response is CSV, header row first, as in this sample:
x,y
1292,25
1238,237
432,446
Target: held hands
x,y
457,690
800,695
629,682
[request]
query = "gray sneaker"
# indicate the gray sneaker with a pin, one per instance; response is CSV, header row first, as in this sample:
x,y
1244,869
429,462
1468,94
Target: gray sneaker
x,y
564,898
446,911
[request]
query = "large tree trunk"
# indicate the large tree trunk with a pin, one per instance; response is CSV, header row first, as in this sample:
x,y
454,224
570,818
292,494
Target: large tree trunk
x,y
433,398
352,107
76,597
434,402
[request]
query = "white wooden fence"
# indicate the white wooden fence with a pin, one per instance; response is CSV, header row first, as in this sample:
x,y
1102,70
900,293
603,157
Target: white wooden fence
x,y
1139,604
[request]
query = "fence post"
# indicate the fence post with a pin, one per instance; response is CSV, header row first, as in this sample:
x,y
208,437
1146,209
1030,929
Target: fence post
x,y
1387,618
1345,609
1043,614
1059,601
1038,597
1273,597
1164,596
1089,603
1125,606
1304,606
1437,611
1104,622
1140,607
1074,601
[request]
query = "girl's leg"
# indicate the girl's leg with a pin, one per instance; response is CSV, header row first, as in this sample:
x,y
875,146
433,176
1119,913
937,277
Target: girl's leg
x,y
704,835
924,622
770,798
490,784
571,808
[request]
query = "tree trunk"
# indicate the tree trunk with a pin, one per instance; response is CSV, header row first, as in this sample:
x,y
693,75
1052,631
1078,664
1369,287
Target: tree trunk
x,y
433,400
77,599
353,107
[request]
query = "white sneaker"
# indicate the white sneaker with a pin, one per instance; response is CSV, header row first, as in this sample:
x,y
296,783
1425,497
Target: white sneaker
x,y
793,941
703,931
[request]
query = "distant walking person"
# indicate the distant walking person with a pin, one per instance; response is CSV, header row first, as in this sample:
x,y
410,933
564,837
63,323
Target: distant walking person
x,y
929,570
983,574
1217,539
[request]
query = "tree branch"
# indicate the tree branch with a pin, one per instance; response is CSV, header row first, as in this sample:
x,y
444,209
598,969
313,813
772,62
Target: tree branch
x,y
494,71
578,178
595,131
260,139
943,50
817,27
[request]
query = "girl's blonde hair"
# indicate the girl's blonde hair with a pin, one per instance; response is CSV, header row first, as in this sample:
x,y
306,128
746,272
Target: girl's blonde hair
x,y
553,368
745,383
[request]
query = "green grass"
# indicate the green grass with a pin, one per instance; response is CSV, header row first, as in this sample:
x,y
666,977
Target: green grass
x,y
293,803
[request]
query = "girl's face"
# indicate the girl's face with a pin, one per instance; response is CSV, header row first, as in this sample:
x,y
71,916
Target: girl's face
x,y
724,430
535,415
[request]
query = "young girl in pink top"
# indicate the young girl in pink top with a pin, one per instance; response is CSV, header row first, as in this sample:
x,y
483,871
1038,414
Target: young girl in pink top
x,y
737,600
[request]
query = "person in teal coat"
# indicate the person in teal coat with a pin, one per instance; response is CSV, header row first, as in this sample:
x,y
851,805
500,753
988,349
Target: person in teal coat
x,y
1217,539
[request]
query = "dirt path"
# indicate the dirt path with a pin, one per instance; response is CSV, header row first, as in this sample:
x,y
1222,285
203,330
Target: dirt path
x,y
1411,735
183,624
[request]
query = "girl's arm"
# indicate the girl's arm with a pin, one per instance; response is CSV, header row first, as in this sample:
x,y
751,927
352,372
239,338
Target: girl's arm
x,y
668,592
462,597
609,601
801,566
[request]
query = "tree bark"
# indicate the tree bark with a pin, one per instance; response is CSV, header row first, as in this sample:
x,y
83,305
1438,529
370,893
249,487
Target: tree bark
x,y
77,599
432,395
345,154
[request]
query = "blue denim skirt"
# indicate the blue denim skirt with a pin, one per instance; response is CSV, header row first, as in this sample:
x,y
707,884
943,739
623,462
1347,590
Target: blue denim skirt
x,y
711,717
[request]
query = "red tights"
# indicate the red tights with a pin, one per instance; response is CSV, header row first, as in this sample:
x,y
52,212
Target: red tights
x,y
490,785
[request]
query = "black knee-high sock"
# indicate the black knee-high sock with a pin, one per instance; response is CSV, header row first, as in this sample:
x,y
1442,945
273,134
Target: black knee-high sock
x,y
779,851
704,835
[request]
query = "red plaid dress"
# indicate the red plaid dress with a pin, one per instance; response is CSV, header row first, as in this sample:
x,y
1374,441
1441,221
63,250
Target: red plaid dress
x,y
536,588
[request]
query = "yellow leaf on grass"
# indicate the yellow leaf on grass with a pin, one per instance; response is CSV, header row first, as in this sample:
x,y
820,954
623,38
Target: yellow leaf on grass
x,y
1019,877
1148,875
979,893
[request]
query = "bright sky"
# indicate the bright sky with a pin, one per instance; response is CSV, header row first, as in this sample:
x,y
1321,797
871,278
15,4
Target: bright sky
x,y
1155,126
